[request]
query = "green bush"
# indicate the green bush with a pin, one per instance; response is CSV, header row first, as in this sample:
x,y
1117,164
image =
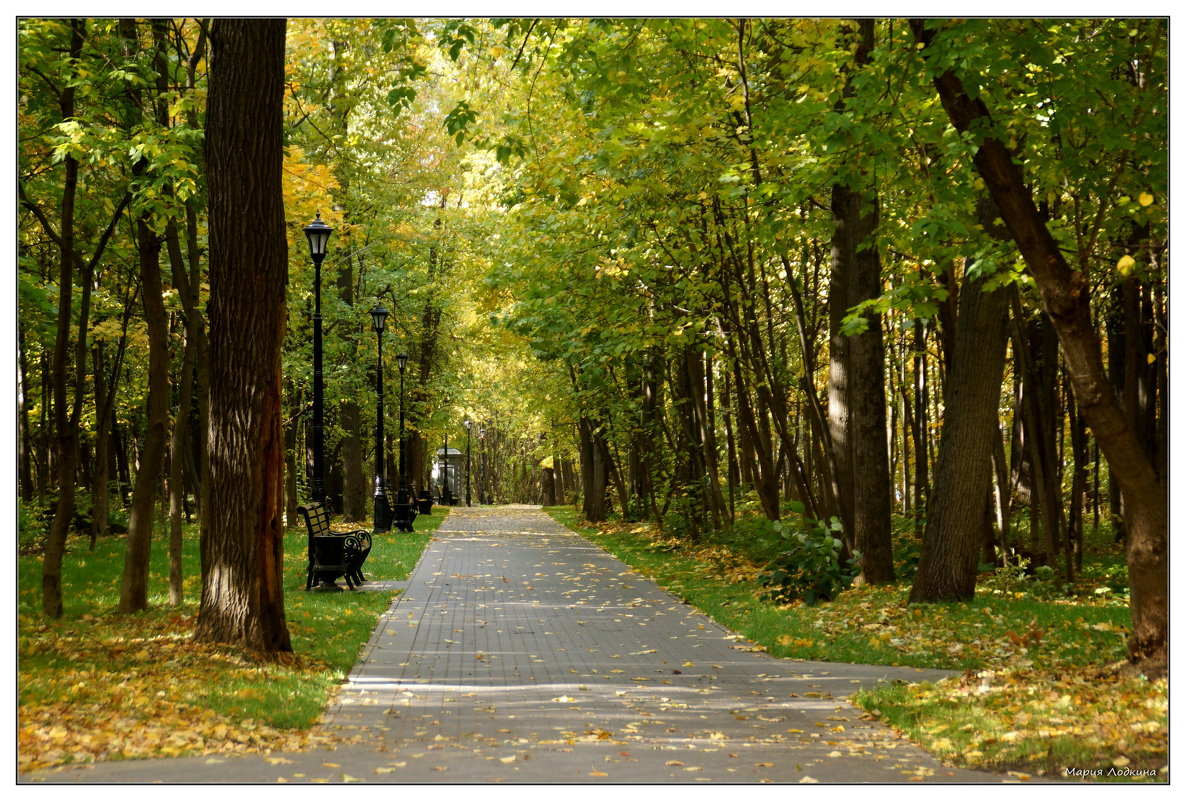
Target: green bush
x,y
810,568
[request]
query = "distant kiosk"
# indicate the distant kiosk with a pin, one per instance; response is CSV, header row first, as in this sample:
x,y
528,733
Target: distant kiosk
x,y
448,476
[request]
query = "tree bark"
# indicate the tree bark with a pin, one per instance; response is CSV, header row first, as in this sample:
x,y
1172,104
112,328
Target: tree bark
x,y
595,468
1066,296
243,544
963,471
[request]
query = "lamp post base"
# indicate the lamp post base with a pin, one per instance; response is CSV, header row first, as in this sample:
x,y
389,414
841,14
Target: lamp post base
x,y
382,510
404,515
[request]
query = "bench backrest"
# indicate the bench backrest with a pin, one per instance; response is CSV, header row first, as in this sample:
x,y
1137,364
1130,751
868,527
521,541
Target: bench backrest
x,y
316,518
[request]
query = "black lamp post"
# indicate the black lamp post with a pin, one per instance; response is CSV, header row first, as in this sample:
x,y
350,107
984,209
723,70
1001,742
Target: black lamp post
x,y
445,472
317,232
483,491
382,508
468,425
403,504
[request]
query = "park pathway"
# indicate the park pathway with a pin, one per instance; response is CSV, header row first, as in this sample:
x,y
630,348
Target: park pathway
x,y
519,652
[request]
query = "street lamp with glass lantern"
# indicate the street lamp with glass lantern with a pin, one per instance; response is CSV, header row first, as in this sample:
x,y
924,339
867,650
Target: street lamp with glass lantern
x,y
382,507
317,232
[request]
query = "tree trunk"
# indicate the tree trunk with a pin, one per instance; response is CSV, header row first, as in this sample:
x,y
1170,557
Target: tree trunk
x,y
133,596
243,544
65,424
857,398
354,485
1066,297
963,472
100,493
594,470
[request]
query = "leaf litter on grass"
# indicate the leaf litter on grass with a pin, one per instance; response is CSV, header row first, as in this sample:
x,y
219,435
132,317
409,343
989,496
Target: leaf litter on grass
x,y
1053,699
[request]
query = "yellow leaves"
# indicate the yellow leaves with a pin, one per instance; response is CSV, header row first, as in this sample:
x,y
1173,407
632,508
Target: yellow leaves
x,y
1145,199
1126,264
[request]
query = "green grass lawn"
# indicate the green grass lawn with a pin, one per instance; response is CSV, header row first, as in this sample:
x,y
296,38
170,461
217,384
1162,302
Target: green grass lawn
x,y
1032,696
96,684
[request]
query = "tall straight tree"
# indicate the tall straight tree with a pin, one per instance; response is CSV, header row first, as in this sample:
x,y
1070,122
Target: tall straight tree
x,y
243,529
857,379
133,595
67,424
963,473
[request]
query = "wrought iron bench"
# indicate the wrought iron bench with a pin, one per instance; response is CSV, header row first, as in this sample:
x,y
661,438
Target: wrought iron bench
x,y
332,554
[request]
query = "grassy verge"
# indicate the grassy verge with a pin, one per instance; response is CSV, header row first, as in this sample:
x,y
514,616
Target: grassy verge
x,y
1033,696
96,685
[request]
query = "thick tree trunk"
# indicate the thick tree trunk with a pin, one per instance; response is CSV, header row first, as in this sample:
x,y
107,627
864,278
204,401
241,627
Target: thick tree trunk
x,y
243,543
354,485
857,400
595,470
963,473
1066,296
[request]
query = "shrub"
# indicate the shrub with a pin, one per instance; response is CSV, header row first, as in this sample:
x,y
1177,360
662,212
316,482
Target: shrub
x,y
811,568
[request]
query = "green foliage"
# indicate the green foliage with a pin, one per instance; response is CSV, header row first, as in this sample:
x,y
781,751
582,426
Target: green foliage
x,y
459,119
812,567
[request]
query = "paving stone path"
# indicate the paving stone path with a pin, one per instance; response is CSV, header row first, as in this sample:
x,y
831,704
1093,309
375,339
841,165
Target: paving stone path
x,y
521,653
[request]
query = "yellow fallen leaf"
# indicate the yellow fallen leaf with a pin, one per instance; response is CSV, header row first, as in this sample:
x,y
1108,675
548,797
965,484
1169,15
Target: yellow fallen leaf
x,y
507,760
598,773
808,780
